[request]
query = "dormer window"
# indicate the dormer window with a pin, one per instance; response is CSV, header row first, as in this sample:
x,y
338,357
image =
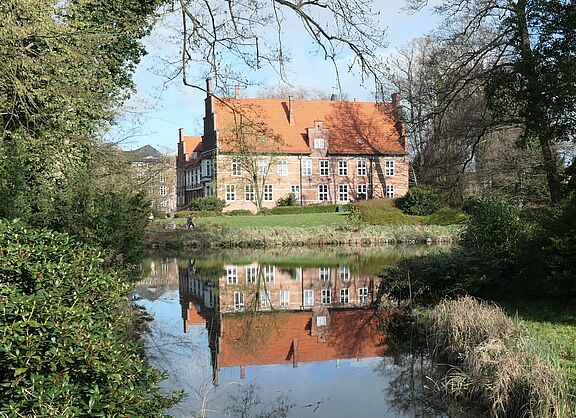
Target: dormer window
x,y
319,143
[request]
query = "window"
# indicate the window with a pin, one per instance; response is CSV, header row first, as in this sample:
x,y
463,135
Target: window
x,y
324,167
389,168
236,167
230,192
284,298
306,167
249,195
163,191
342,168
321,321
282,168
251,274
263,167
343,192
363,295
326,296
208,168
323,192
361,192
390,191
265,298
238,301
324,274
268,193
269,273
344,273
361,168
162,177
319,143
308,297
295,190
232,275
345,295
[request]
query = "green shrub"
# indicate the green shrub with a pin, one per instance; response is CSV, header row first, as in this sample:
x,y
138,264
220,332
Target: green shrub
x,y
383,212
420,201
287,210
68,345
289,200
197,214
207,203
447,216
239,212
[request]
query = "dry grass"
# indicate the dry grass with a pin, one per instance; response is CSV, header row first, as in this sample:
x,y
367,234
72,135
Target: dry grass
x,y
494,364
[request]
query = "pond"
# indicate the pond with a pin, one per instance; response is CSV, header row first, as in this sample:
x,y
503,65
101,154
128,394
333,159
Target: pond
x,y
284,333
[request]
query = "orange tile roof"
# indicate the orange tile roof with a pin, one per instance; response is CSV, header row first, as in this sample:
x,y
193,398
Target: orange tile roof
x,y
355,127
267,338
192,144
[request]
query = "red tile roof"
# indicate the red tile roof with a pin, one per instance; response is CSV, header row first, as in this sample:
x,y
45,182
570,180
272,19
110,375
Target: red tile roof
x,y
355,127
192,144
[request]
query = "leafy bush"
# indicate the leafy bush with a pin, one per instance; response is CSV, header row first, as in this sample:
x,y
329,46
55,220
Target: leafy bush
x,y
447,216
287,210
494,226
239,212
383,212
207,203
68,346
420,201
196,214
289,200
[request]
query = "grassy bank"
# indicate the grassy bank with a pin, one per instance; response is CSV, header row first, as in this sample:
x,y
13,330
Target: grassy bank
x,y
497,362
225,236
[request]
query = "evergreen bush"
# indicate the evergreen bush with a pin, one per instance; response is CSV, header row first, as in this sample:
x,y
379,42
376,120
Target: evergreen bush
x,y
207,204
420,201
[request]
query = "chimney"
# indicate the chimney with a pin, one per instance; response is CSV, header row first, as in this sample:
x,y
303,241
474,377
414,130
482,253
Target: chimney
x,y
180,134
396,99
333,96
290,111
237,92
399,118
208,86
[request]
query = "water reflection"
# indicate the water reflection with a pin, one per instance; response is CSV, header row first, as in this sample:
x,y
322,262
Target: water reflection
x,y
274,333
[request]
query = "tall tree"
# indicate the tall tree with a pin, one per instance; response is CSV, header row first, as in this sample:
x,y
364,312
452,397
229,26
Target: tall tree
x,y
525,54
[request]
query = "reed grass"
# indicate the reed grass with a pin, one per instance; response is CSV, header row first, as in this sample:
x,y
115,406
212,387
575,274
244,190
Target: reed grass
x,y
493,363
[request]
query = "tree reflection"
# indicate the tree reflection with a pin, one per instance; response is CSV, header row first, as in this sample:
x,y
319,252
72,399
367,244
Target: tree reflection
x,y
247,404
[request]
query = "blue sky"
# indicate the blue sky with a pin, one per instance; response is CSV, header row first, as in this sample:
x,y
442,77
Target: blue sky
x,y
159,107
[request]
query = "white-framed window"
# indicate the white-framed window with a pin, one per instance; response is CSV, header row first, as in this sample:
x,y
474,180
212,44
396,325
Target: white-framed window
x,y
232,275
345,295
324,167
282,168
343,193
344,273
163,191
208,168
389,168
295,190
297,276
326,296
362,295
361,192
269,274
324,274
361,168
230,192
249,195
342,167
284,298
321,321
265,298
162,177
251,274
268,193
263,166
236,167
238,301
319,143
308,297
323,192
390,191
306,167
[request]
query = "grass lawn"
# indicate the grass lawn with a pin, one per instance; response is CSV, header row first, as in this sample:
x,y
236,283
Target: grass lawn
x,y
298,220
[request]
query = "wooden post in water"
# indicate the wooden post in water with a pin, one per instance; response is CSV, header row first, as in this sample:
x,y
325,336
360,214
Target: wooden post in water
x,y
242,372
294,350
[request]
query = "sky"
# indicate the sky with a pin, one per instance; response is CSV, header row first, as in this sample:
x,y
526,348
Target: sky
x,y
159,106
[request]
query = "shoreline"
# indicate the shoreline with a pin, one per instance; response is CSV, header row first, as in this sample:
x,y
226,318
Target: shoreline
x,y
217,236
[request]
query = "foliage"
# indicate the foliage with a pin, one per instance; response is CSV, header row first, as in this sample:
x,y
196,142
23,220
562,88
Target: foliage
x,y
447,216
207,204
239,212
384,212
289,200
66,346
195,214
419,201
287,210
494,227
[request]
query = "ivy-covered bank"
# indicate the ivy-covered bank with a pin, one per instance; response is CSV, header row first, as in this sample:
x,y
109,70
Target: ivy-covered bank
x,y
67,333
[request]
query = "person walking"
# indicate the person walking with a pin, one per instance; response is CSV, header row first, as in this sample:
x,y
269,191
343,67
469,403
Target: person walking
x,y
190,222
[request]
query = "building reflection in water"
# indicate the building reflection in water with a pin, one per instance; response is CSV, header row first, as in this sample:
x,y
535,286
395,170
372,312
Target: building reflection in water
x,y
261,314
